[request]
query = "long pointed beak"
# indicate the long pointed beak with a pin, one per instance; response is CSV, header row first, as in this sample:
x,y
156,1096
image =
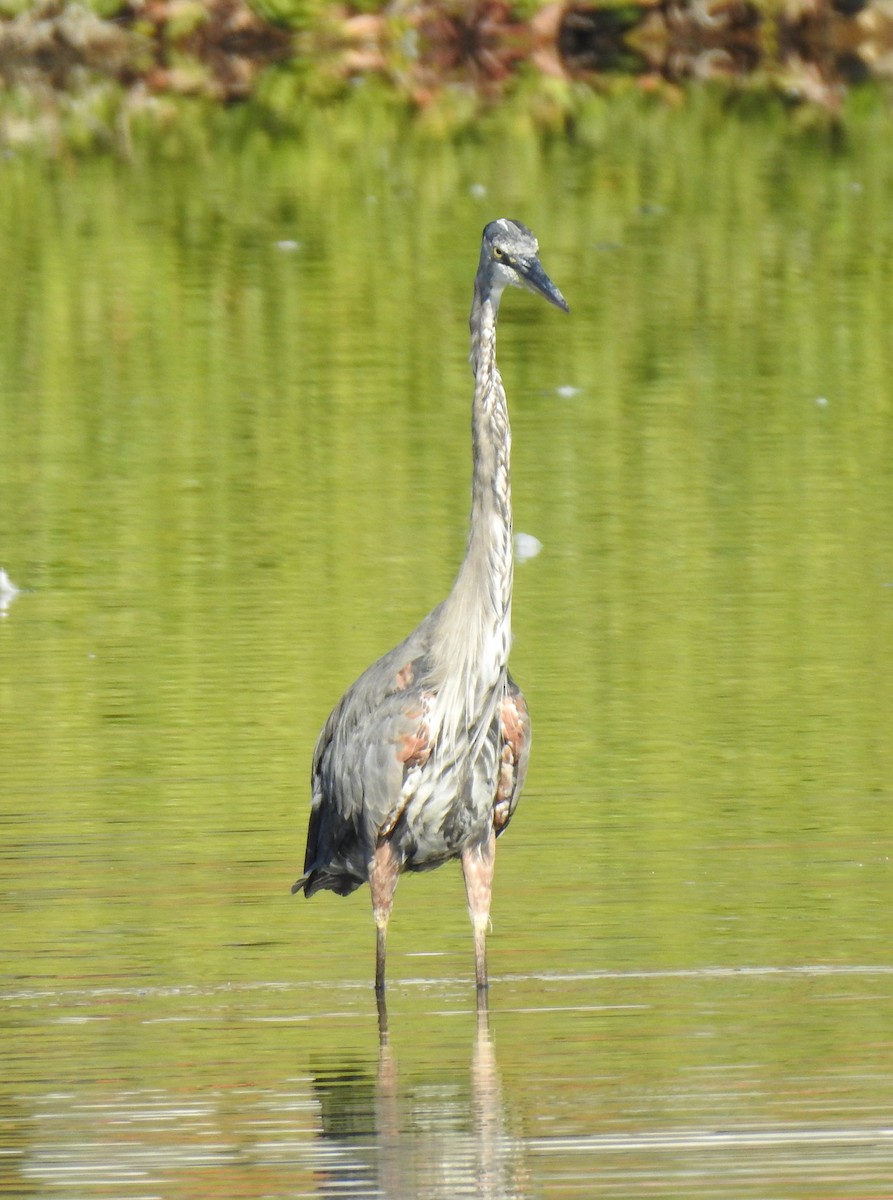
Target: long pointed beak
x,y
538,281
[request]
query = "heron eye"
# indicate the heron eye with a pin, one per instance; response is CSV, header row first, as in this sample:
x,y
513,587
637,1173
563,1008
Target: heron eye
x,y
498,252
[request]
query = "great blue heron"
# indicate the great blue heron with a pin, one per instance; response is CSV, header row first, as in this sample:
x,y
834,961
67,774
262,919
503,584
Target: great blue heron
x,y
424,757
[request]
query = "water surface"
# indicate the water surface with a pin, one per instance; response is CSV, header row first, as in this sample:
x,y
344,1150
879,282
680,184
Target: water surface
x,y
235,462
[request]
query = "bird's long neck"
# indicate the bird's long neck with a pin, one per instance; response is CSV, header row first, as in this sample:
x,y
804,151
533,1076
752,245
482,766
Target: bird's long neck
x,y
486,573
476,618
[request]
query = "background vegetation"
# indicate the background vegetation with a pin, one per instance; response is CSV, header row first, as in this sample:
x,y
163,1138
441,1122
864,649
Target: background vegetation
x,y
76,77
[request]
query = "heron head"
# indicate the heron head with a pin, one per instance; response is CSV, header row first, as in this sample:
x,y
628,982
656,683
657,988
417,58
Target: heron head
x,y
509,259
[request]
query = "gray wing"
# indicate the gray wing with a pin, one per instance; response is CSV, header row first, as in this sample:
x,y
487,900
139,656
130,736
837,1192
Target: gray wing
x,y
375,733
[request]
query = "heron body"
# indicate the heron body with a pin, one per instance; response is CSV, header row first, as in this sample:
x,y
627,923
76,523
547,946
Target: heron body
x,y
424,757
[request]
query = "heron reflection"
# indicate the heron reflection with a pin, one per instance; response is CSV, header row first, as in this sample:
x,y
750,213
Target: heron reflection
x,y
441,1137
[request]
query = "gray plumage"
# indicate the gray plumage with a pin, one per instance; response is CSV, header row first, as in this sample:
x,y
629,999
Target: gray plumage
x,y
424,757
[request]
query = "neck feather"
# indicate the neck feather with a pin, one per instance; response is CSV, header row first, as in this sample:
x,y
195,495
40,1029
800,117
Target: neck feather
x,y
476,619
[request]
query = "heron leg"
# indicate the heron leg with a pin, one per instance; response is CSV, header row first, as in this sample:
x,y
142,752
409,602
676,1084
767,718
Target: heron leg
x,y
477,867
384,872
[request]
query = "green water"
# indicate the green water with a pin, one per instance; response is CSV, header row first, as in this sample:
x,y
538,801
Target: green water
x,y
234,468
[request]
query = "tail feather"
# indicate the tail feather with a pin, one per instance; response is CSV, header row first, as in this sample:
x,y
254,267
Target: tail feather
x,y
341,882
334,858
